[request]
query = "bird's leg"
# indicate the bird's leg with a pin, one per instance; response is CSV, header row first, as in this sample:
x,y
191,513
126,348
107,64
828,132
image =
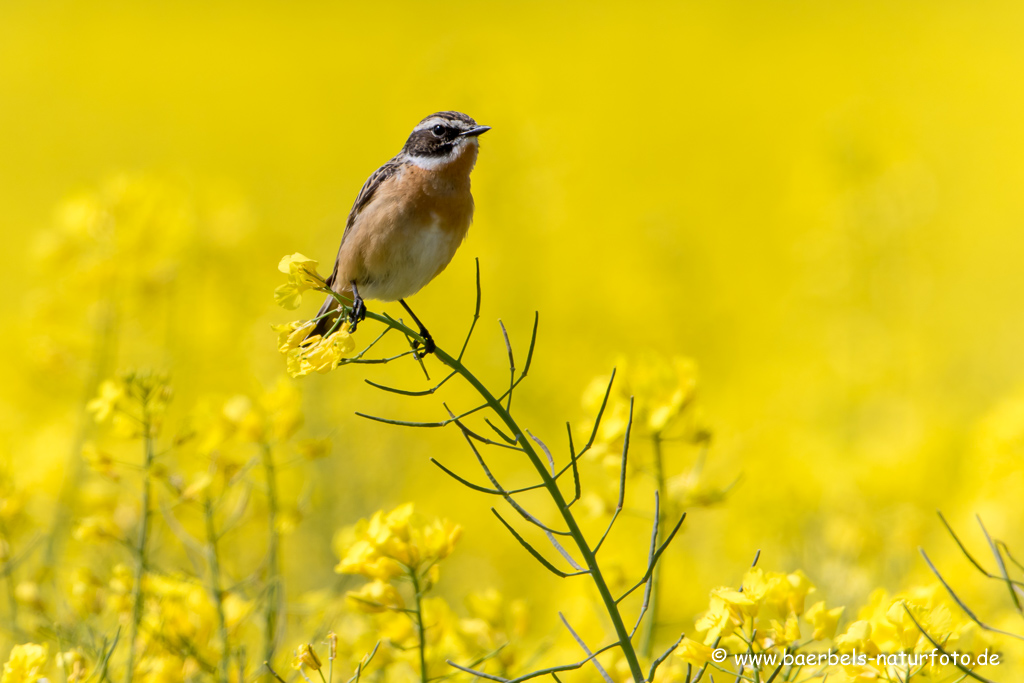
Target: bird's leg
x,y
428,341
358,312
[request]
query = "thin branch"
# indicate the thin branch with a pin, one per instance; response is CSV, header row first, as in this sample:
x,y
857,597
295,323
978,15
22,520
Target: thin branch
x,y
564,552
600,414
775,674
625,453
650,564
547,452
505,437
942,650
662,657
586,650
534,674
476,313
657,556
273,673
622,478
403,392
106,658
608,529
483,489
511,367
442,423
482,439
575,468
533,345
505,494
960,602
363,663
369,346
967,553
533,551
1002,565
464,482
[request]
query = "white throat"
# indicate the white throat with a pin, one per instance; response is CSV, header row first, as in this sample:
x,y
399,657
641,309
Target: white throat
x,y
462,148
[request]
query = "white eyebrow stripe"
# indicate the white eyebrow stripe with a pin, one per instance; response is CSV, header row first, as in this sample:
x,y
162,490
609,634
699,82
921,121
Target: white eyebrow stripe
x,y
430,123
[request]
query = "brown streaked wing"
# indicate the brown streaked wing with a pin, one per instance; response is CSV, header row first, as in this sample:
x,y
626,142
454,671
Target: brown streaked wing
x,y
362,199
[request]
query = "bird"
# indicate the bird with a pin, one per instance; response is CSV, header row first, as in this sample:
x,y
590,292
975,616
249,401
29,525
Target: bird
x,y
407,221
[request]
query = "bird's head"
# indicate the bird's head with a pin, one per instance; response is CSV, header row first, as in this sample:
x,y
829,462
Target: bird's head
x,y
442,138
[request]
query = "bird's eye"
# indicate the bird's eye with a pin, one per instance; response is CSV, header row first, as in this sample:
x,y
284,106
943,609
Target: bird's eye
x,y
438,130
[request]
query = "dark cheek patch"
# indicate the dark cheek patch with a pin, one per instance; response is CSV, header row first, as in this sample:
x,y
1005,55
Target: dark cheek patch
x,y
425,144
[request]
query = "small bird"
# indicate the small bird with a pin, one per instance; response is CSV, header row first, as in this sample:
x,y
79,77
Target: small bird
x,y
408,220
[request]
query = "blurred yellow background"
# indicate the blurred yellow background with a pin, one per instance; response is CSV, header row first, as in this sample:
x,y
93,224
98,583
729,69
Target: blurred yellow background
x,y
819,203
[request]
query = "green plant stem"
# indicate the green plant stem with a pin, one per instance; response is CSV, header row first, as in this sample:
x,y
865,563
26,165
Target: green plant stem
x,y
12,598
539,464
140,549
215,588
419,624
651,625
273,557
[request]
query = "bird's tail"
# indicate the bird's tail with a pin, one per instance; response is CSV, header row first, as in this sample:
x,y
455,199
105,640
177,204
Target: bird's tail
x,y
327,322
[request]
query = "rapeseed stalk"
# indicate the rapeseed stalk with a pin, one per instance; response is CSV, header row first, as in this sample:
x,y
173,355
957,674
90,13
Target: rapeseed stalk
x,y
325,354
134,404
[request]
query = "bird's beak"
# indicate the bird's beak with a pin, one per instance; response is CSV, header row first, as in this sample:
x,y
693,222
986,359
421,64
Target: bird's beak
x,y
473,132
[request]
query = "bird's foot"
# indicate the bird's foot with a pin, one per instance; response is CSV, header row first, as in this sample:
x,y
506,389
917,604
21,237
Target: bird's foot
x,y
356,314
424,348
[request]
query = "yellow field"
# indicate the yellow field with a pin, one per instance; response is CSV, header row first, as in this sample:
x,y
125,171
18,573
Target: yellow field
x,y
795,228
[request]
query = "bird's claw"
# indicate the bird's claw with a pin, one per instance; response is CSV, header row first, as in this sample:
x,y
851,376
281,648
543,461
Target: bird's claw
x,y
424,348
356,314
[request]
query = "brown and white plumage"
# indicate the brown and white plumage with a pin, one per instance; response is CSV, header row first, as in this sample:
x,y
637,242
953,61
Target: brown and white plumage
x,y
410,216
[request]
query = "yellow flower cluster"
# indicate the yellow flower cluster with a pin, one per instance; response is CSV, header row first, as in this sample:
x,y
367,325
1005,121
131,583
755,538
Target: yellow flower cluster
x,y
25,664
273,416
769,605
661,390
393,544
883,625
302,275
313,354
400,552
132,403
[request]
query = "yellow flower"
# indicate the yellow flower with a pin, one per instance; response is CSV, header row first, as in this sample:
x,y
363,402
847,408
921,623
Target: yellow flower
x,y
288,295
824,621
439,538
858,637
661,389
236,609
376,596
302,269
725,613
783,634
383,546
302,275
305,656
131,398
693,652
106,402
25,663
73,664
27,593
291,335
319,354
246,420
